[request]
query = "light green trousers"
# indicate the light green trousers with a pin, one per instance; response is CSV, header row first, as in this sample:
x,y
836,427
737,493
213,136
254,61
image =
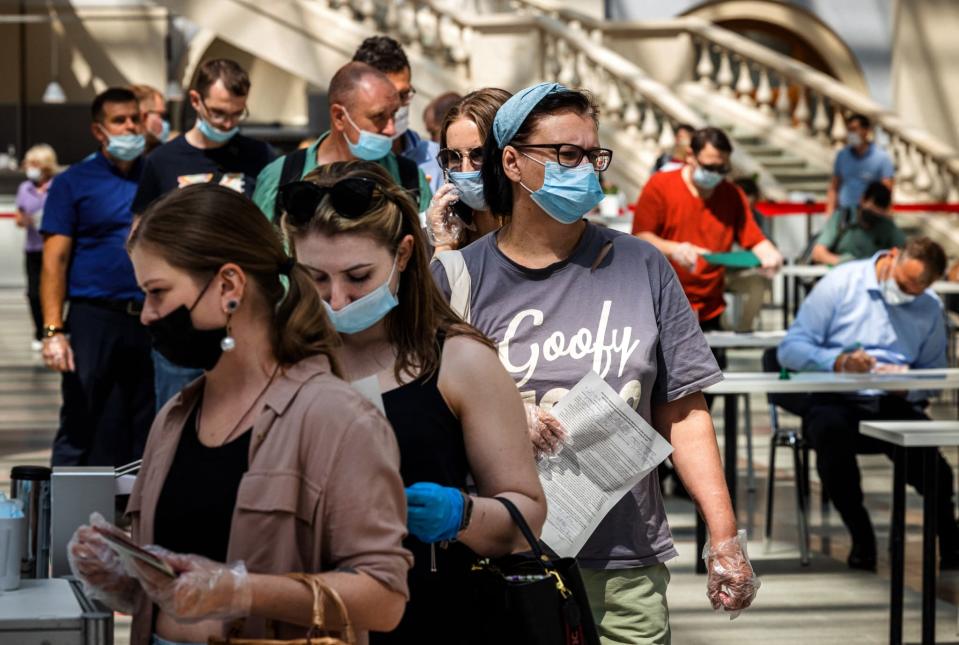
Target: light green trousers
x,y
629,605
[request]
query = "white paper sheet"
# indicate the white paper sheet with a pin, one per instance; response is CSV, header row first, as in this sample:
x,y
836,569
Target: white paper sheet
x,y
608,450
369,387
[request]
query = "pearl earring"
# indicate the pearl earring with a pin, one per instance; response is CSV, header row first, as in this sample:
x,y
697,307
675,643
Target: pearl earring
x,y
228,344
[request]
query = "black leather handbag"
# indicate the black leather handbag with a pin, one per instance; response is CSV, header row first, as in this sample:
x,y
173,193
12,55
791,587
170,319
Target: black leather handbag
x,y
531,598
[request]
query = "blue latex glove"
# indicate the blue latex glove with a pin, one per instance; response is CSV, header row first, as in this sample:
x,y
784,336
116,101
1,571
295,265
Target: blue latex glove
x,y
434,513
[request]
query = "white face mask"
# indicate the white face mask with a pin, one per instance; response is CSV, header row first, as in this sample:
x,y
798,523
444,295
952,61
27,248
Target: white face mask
x,y
34,173
893,294
401,120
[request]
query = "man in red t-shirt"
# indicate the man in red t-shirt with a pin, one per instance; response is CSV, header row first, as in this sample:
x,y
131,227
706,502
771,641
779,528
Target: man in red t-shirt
x,y
692,211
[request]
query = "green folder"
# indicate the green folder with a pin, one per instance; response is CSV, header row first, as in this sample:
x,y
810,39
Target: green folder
x,y
736,259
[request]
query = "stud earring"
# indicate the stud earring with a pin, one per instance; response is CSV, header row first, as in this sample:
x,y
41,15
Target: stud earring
x,y
228,344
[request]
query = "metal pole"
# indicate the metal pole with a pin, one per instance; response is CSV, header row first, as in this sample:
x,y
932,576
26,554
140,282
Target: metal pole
x,y
896,539
22,124
929,508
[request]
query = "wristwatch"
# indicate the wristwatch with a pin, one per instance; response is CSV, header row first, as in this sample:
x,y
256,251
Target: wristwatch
x,y
467,512
49,331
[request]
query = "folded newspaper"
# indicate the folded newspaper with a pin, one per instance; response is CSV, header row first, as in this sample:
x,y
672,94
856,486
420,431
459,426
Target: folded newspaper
x,y
609,449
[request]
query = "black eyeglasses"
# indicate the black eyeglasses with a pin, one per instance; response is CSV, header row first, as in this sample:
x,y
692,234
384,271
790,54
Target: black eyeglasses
x,y
570,155
451,159
350,197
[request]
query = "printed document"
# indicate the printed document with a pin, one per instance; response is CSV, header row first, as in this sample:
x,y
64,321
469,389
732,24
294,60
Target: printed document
x,y
609,449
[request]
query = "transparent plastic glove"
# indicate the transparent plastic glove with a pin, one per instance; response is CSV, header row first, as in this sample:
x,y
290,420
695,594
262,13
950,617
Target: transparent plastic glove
x,y
434,513
732,583
99,568
545,431
687,255
443,227
202,590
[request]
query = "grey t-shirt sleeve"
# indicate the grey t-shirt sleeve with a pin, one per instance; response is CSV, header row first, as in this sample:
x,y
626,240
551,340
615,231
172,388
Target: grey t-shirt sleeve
x,y
684,363
440,278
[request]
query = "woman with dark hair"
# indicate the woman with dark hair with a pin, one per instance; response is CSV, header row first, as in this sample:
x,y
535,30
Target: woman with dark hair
x,y
458,214
562,297
247,465
455,411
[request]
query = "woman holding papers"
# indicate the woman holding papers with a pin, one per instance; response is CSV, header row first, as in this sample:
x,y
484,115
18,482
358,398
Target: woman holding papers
x,y
268,464
562,297
453,408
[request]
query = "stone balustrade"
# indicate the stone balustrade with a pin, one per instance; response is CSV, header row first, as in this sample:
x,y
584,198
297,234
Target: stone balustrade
x,y
792,93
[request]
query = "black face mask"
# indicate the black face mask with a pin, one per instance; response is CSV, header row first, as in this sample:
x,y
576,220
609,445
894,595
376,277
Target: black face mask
x,y
175,337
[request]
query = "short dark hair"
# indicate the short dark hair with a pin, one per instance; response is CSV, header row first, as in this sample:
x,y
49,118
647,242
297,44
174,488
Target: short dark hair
x,y
234,77
383,53
864,121
879,194
497,188
685,127
929,253
111,95
712,136
346,78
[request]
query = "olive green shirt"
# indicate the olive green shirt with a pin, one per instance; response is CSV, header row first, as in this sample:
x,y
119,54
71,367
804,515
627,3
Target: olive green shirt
x,y
267,182
850,241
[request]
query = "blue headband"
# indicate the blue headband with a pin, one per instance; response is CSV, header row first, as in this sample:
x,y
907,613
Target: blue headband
x,y
511,115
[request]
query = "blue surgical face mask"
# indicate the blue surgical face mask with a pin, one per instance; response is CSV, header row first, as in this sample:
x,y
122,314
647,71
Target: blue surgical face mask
x,y
854,139
371,146
164,132
470,187
125,147
215,134
893,294
567,194
707,179
362,314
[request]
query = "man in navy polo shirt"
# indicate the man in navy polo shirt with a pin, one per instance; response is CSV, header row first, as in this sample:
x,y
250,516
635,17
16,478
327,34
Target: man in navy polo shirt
x,y
857,165
102,351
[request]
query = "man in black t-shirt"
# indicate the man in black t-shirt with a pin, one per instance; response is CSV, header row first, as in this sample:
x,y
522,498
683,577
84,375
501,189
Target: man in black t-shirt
x,y
212,151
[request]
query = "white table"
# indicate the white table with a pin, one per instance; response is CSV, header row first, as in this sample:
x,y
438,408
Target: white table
x,y
744,340
804,270
944,287
818,382
745,383
52,611
927,436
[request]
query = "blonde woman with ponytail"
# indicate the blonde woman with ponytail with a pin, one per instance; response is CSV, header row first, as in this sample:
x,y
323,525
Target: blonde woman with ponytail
x,y
268,464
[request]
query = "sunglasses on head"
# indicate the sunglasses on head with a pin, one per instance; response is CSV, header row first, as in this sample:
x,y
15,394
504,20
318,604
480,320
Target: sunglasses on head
x,y
350,197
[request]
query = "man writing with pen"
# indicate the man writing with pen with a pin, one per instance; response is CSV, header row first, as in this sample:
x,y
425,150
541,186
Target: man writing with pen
x,y
873,315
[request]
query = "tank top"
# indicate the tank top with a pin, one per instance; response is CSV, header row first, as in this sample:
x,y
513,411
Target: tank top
x,y
195,508
432,449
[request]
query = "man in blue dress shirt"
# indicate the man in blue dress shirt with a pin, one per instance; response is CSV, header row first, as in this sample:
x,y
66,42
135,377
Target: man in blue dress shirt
x,y
102,350
871,315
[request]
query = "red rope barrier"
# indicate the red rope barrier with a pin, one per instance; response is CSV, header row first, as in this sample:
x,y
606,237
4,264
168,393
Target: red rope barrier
x,y
776,209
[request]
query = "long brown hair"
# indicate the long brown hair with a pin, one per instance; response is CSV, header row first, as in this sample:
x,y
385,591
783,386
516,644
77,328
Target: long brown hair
x,y
422,313
479,107
200,228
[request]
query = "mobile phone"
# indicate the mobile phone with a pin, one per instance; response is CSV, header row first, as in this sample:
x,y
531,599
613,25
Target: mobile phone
x,y
459,208
123,545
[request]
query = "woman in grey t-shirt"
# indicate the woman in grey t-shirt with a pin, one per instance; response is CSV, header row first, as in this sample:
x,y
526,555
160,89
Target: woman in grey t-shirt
x,y
562,297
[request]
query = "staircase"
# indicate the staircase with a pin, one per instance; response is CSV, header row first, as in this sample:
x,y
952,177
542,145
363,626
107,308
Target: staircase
x,y
786,119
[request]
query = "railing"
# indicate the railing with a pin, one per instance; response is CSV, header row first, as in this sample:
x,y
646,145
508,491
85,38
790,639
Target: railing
x,y
782,88
630,100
